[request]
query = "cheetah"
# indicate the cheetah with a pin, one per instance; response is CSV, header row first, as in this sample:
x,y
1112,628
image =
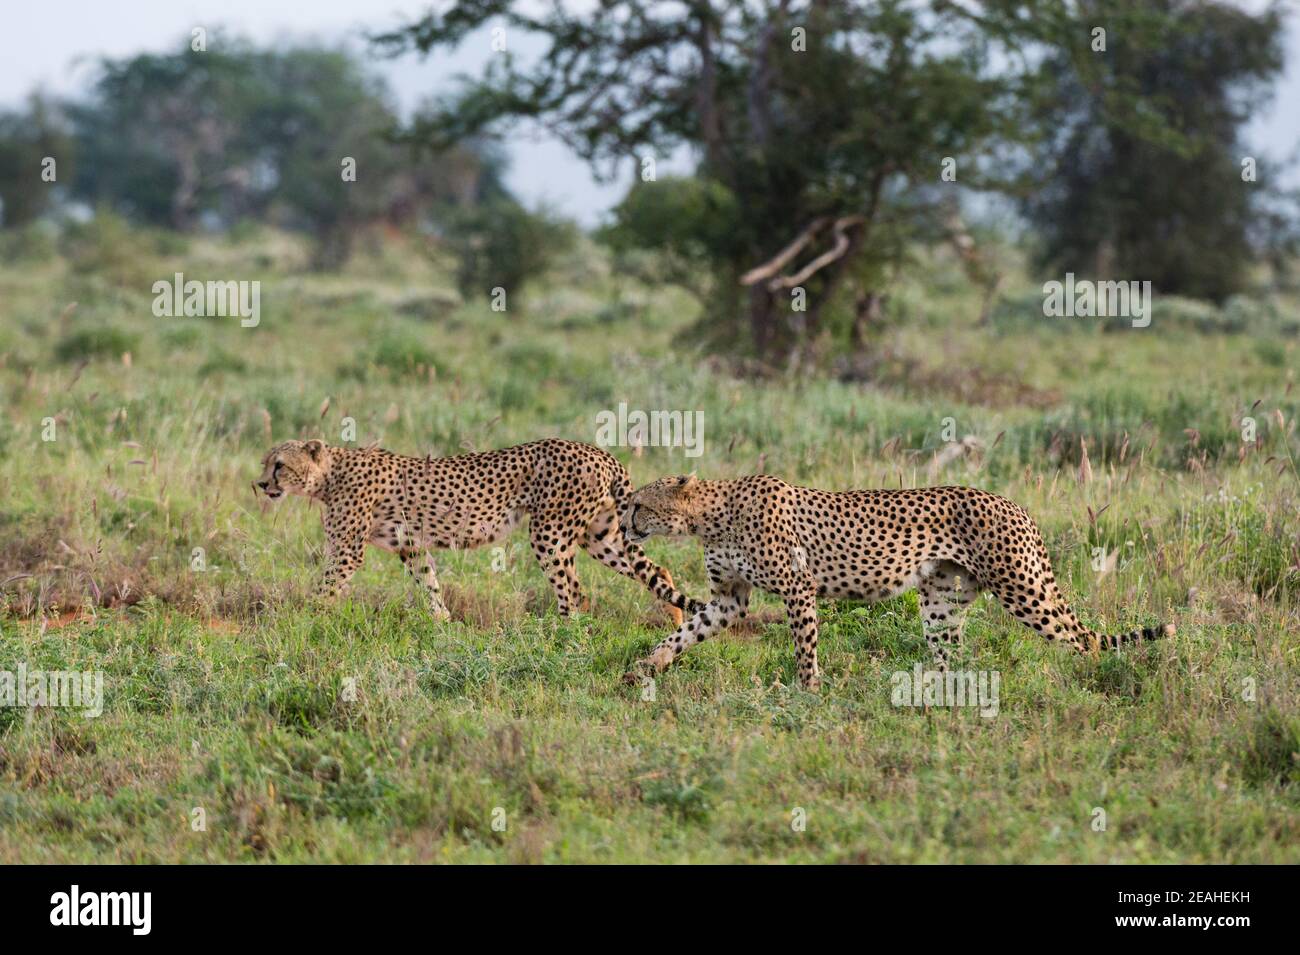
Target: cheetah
x,y
948,543
572,493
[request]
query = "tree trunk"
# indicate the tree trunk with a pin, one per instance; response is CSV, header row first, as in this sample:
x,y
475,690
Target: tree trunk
x,y
866,314
706,97
762,318
762,312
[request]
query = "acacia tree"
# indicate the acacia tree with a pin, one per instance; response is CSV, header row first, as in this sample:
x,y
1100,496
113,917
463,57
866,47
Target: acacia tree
x,y
160,135
823,128
299,136
318,110
814,117
1140,168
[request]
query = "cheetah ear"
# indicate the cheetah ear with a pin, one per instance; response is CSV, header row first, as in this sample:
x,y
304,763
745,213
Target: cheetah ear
x,y
314,447
687,481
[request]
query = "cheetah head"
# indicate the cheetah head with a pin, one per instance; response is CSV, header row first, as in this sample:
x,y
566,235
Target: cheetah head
x,y
666,507
295,467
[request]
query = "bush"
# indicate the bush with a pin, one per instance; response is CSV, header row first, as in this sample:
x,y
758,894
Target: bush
x,y
501,244
663,231
222,362
681,216
1270,755
400,354
107,247
31,243
104,341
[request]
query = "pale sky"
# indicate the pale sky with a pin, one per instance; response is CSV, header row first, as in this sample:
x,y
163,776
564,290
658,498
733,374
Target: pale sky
x,y
53,46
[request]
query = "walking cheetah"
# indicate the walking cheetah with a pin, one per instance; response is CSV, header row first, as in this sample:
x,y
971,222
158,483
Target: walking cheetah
x,y
949,543
572,492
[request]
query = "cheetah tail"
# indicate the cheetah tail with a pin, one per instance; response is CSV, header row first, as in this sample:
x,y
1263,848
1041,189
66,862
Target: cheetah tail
x,y
1114,641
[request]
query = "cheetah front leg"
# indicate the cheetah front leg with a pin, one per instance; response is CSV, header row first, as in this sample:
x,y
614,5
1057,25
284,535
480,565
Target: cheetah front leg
x,y
729,603
605,541
347,525
342,559
420,566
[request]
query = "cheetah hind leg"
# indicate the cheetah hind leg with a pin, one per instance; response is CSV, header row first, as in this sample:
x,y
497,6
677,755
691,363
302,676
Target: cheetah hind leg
x,y
946,591
554,547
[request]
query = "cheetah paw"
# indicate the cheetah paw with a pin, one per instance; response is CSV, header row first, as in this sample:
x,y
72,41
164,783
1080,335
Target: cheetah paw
x,y
642,670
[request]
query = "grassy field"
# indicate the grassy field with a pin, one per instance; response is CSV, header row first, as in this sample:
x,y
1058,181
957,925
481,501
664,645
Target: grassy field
x,y
241,724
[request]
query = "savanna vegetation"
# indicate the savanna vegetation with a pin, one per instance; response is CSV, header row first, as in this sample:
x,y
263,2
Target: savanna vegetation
x,y
847,284
1160,463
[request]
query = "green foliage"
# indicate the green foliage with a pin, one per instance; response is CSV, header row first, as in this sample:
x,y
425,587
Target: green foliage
x,y
682,786
1270,753
394,351
106,247
682,220
685,217
27,139
501,244
31,243
785,135
166,137
239,134
403,354
220,362
509,707
860,124
318,108
1141,171
105,341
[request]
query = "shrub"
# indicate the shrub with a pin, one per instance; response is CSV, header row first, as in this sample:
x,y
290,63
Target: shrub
x,y
32,243
106,247
503,245
400,354
104,341
1271,752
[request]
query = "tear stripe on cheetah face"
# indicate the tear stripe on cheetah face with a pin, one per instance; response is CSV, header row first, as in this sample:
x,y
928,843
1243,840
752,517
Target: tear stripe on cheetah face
x,y
572,494
295,467
948,543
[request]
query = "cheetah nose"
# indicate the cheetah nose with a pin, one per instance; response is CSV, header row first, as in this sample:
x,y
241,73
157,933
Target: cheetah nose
x,y
263,484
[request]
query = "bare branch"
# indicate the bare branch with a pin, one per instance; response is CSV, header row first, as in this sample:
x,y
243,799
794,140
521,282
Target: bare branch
x,y
836,252
769,269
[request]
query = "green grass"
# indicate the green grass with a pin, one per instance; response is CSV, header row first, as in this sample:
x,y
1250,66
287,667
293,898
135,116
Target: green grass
x,y
366,732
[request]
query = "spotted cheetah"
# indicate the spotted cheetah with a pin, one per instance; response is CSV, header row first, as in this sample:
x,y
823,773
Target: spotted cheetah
x,y
948,543
573,494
